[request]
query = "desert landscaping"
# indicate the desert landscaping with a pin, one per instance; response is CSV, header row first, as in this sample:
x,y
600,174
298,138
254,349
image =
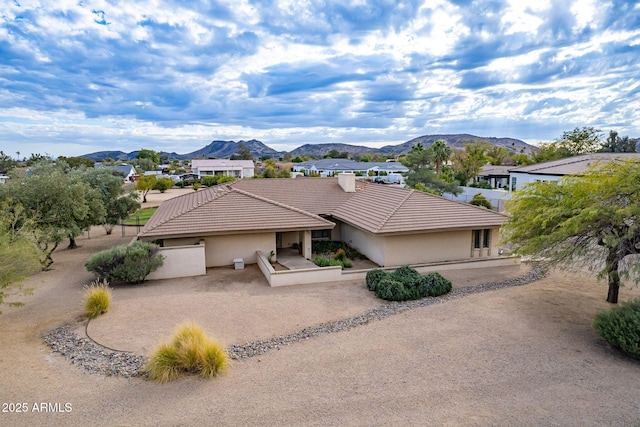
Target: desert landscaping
x,y
522,355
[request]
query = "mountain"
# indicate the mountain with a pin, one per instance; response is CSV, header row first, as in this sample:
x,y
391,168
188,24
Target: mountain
x,y
457,141
225,149
319,150
215,150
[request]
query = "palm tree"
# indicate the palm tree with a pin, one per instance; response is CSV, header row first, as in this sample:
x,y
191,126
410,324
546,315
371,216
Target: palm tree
x,y
441,154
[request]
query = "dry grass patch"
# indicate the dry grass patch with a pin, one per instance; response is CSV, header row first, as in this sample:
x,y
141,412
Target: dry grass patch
x,y
190,351
97,297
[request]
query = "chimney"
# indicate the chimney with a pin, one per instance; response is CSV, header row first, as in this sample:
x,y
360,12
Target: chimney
x,y
348,182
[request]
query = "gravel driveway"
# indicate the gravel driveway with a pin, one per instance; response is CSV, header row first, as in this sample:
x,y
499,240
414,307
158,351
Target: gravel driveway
x,y
524,355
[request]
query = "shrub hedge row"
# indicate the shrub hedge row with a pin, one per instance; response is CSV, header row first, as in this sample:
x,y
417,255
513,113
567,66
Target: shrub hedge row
x,y
405,283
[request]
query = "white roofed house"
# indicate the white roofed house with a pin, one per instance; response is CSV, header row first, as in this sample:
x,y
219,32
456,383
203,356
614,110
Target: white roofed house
x,y
224,167
330,167
555,169
124,168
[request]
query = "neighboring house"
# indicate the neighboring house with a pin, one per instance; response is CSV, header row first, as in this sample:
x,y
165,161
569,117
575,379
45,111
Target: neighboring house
x,y
555,169
235,168
331,167
128,170
392,226
3,179
496,175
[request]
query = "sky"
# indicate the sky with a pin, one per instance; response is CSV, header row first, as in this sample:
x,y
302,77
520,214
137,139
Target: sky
x,y
79,76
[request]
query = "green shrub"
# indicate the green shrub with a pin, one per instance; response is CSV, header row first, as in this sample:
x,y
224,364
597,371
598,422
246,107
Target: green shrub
x,y
209,180
374,277
480,200
195,186
326,262
128,263
620,327
413,284
97,297
391,290
346,263
163,184
437,285
191,351
329,246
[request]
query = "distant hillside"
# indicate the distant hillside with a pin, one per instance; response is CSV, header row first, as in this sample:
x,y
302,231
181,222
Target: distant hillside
x,y
457,141
217,149
319,150
225,149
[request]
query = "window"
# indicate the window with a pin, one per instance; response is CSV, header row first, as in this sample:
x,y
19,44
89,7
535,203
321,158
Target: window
x,y
481,238
476,239
486,238
321,234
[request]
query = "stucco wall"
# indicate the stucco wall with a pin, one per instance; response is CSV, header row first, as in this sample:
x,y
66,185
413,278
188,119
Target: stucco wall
x,y
368,244
181,261
297,277
427,247
221,250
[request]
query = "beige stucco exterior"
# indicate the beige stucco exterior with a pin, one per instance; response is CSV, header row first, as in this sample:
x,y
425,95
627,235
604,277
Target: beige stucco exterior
x,y
221,250
181,261
403,249
368,244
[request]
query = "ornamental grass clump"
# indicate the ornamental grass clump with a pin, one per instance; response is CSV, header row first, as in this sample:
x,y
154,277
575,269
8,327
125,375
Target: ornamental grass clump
x,y
190,351
97,297
620,326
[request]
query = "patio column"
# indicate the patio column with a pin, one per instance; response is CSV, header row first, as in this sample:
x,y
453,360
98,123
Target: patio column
x,y
306,244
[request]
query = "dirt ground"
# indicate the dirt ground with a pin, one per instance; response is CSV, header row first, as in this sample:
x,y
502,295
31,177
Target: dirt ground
x,y
518,356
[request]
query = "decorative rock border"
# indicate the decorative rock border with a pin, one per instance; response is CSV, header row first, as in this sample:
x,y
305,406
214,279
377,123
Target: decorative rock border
x,y
98,360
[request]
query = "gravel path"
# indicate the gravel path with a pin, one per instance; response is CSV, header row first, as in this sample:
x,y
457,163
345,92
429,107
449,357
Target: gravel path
x,y
98,359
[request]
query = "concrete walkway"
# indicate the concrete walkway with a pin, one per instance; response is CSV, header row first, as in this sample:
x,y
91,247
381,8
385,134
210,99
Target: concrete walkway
x,y
291,259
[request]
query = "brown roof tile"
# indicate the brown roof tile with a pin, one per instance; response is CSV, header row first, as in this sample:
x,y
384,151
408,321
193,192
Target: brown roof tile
x,y
386,209
224,210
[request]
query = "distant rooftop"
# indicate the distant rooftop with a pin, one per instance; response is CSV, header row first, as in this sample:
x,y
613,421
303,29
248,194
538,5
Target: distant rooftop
x,y
575,165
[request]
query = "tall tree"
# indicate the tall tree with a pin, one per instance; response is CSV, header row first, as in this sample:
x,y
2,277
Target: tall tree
x,y
591,220
498,155
6,163
154,156
616,144
441,153
581,140
144,184
18,254
419,157
59,205
467,163
426,178
117,204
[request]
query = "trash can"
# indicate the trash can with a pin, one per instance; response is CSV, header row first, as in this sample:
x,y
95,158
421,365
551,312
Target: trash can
x,y
238,263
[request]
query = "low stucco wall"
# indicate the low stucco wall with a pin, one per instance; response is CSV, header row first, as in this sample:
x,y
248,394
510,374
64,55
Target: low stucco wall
x,y
181,261
368,244
337,274
297,277
222,250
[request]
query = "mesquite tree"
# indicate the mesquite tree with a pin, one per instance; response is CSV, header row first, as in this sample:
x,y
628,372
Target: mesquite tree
x,y
591,220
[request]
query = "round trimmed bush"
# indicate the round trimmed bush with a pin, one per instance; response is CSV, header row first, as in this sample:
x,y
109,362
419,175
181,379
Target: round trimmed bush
x,y
437,285
374,277
620,326
391,290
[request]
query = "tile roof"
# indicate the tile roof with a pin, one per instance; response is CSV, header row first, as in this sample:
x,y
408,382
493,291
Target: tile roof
x,y
387,209
222,210
572,165
283,204
315,195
